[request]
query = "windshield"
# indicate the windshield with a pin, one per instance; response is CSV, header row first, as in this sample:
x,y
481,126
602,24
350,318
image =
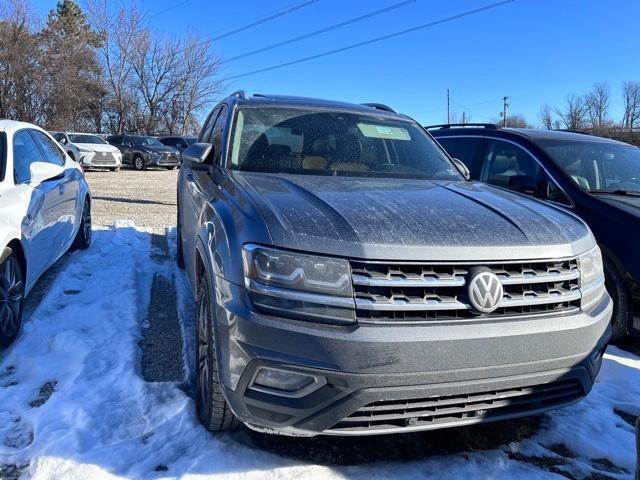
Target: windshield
x,y
190,140
146,141
85,138
597,166
312,142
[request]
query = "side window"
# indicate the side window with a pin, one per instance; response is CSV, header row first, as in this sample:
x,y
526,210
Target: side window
x,y
510,166
25,152
169,141
52,153
467,149
117,140
208,126
218,131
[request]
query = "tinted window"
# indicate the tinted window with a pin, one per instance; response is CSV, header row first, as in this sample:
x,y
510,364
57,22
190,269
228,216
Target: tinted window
x,y
172,142
52,153
469,150
25,152
86,138
509,166
208,126
145,142
115,139
218,131
313,142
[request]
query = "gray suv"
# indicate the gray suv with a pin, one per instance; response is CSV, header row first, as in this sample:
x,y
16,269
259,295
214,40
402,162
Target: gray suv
x,y
350,280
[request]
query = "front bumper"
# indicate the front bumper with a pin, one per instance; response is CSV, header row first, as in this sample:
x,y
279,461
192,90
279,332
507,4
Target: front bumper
x,y
165,160
100,159
405,377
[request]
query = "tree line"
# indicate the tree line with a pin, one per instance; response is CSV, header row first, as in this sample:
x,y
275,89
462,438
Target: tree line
x,y
102,69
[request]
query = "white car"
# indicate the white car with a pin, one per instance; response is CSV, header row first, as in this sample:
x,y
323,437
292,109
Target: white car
x,y
45,209
89,150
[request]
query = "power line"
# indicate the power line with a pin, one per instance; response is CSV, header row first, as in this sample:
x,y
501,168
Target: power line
x,y
170,7
278,14
469,110
322,30
373,40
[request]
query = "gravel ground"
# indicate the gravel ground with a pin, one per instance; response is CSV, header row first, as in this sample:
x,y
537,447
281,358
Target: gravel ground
x,y
148,198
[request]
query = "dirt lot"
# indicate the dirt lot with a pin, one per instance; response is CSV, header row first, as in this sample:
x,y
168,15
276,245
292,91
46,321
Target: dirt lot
x,y
148,198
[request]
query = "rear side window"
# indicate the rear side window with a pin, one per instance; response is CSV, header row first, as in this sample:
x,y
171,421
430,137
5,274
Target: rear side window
x,y
52,154
25,152
114,139
169,141
469,150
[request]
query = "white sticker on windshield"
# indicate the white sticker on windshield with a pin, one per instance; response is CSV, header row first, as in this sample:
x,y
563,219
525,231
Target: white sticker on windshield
x,y
383,131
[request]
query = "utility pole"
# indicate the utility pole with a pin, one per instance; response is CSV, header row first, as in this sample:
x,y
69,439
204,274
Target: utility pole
x,y
464,117
505,105
448,108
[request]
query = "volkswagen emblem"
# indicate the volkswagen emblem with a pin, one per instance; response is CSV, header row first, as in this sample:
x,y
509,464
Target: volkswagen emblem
x,y
485,291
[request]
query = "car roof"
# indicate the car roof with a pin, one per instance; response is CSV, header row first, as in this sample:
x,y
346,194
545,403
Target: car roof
x,y
532,134
10,126
299,102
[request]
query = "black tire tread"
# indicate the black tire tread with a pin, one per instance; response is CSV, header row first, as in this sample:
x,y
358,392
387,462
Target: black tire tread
x,y
619,293
5,340
216,416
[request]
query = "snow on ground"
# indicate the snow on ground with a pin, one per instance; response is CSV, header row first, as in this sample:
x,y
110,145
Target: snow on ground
x,y
73,403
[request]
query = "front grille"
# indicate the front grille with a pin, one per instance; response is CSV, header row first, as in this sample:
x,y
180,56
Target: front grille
x,y
450,410
104,158
168,158
406,292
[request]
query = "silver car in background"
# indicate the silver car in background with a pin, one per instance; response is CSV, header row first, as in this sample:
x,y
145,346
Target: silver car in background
x,y
90,150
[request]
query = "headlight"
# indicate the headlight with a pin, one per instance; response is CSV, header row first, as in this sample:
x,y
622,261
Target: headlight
x,y
297,271
85,150
298,285
154,154
591,276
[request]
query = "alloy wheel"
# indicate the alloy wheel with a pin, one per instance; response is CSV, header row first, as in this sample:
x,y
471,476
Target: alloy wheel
x,y
86,223
139,163
11,295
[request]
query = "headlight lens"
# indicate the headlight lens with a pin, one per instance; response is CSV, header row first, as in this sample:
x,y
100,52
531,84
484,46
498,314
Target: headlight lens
x,y
591,277
297,271
300,286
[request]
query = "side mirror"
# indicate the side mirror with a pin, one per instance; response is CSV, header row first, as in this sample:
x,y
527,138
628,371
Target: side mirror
x,y
463,168
43,171
197,153
523,184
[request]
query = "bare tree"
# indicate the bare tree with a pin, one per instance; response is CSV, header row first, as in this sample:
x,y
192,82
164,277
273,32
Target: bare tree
x,y
198,86
546,117
518,121
20,77
597,104
574,116
120,26
631,105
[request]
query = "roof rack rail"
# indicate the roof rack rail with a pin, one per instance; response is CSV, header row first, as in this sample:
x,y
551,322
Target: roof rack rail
x,y
261,95
488,126
380,106
239,94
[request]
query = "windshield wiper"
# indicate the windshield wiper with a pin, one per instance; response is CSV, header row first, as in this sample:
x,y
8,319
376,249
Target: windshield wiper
x,y
633,193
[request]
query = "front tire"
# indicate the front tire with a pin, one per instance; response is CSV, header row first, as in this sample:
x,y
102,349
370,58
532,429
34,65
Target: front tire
x,y
620,295
11,296
117,169
179,252
83,237
213,410
138,163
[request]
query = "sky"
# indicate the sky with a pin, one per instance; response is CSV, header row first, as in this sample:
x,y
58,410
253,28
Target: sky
x,y
533,51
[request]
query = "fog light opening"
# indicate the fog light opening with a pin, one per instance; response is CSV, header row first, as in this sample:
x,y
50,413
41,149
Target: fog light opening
x,y
285,383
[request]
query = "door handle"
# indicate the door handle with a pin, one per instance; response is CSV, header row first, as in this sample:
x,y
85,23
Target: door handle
x,y
61,189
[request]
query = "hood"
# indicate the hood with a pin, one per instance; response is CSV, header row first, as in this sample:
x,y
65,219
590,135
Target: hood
x,y
157,148
411,219
97,147
627,203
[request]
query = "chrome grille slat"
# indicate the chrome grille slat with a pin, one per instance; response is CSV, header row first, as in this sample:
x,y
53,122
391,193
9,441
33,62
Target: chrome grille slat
x,y
388,292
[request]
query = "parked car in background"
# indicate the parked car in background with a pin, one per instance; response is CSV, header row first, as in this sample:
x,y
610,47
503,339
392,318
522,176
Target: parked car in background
x,y
596,178
178,142
350,281
45,207
90,150
143,151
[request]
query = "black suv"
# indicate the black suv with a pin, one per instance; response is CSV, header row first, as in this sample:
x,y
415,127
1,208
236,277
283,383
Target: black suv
x,y
350,281
177,142
596,178
143,151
